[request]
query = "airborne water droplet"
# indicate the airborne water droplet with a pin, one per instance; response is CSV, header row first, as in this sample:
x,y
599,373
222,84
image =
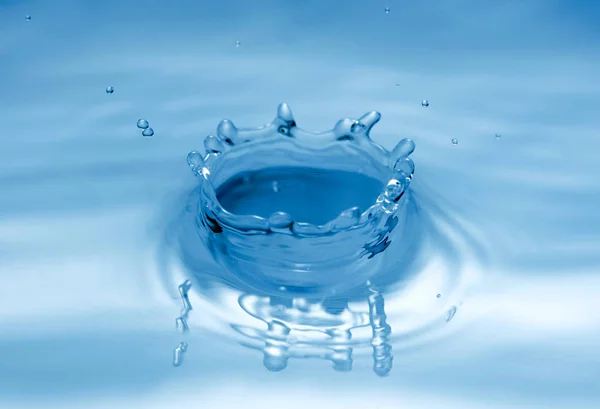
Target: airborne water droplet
x,y
142,124
439,296
27,18
454,141
451,313
425,103
498,136
148,132
387,10
238,43
110,90
276,186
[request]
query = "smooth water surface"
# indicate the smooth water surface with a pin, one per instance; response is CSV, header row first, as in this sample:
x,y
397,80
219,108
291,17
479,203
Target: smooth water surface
x,y
93,208
309,195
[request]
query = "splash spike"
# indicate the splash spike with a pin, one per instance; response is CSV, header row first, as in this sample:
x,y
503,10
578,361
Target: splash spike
x,y
227,131
369,119
403,149
213,145
284,113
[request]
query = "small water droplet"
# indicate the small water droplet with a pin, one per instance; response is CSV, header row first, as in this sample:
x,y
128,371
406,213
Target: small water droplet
x,y
425,103
238,44
454,141
451,313
498,136
27,18
142,124
387,10
439,296
397,84
148,132
110,90
178,353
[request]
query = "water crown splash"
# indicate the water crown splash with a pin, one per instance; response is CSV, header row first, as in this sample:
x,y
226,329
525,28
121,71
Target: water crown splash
x,y
255,187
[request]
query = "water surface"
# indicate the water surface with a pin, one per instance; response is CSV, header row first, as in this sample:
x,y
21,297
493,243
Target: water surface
x,y
86,316
309,195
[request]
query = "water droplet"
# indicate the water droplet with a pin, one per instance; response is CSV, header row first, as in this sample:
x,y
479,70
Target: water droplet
x,y
425,103
387,10
27,18
498,136
238,43
195,161
454,141
142,124
110,90
451,313
397,84
276,187
439,296
178,353
148,132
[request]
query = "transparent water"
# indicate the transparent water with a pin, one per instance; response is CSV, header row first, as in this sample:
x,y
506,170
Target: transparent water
x,y
93,214
309,195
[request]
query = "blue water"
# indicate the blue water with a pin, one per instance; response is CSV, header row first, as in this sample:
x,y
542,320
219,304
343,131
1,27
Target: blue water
x,y
92,212
309,195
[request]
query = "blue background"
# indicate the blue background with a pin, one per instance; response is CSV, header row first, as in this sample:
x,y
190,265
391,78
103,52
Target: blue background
x,y
86,322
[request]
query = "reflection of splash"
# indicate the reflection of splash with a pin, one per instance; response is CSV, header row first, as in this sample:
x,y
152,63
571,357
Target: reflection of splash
x,y
181,321
178,353
382,350
302,330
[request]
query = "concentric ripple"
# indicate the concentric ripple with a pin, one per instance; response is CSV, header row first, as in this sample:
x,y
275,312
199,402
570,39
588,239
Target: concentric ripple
x,y
431,260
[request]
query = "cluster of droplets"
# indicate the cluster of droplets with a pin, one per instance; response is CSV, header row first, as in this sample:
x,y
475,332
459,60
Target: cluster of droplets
x,y
144,125
181,321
